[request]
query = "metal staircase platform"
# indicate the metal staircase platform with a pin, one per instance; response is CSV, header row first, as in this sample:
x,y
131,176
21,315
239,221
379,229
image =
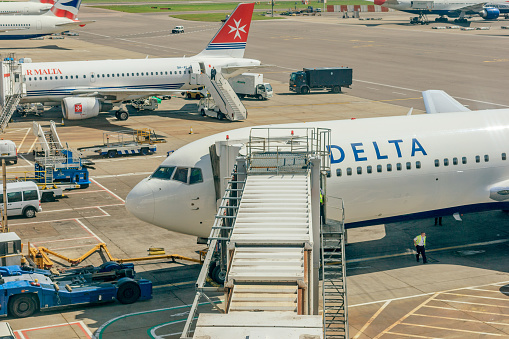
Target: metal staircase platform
x,y
224,97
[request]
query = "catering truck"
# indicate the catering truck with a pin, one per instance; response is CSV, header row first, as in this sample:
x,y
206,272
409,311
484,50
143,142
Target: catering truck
x,y
251,85
323,78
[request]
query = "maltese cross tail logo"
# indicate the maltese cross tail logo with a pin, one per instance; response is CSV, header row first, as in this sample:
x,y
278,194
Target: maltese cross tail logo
x,y
236,29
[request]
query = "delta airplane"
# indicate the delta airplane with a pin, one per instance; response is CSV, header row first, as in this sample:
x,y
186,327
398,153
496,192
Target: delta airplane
x,y
34,7
444,8
385,169
85,88
61,17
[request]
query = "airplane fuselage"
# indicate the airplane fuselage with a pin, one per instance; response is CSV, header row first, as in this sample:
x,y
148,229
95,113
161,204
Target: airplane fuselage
x,y
15,27
25,8
384,169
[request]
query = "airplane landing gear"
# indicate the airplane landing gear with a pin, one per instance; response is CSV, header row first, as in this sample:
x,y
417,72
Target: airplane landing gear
x,y
461,21
421,19
122,114
442,19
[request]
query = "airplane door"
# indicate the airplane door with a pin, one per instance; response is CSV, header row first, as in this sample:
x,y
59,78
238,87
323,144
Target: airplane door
x,y
92,76
194,74
39,25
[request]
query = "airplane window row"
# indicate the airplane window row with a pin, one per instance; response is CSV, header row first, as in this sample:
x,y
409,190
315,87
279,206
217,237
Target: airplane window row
x,y
455,161
183,174
378,168
14,25
118,75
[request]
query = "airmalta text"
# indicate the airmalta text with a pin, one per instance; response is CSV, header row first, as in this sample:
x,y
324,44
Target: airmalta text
x,y
49,71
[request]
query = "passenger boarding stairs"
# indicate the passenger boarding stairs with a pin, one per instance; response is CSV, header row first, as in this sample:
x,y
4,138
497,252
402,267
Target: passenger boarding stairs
x,y
224,97
335,306
49,140
12,89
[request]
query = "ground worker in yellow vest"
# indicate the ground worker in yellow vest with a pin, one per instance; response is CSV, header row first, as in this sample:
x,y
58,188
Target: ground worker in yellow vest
x,y
420,244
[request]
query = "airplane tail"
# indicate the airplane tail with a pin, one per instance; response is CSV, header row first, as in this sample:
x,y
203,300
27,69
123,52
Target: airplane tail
x,y
231,39
65,9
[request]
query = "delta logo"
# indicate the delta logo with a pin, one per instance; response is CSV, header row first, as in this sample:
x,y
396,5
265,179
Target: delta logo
x,y
40,71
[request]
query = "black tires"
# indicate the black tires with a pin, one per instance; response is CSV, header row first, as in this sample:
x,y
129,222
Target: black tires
x,y
336,89
144,151
112,153
189,96
259,97
83,186
304,90
202,112
29,212
23,305
128,292
218,275
123,116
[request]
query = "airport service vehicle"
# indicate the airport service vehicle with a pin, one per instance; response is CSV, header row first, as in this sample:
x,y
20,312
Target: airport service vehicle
x,y
251,85
324,78
447,162
8,151
34,7
23,198
85,88
178,29
25,290
445,9
61,17
128,142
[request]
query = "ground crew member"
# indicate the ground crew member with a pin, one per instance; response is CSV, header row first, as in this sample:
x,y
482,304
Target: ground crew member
x,y
322,212
420,244
213,73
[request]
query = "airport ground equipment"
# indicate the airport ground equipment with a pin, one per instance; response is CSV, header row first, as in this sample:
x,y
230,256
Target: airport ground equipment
x,y
11,249
12,88
147,104
127,142
251,85
265,242
25,290
324,78
56,164
40,256
223,102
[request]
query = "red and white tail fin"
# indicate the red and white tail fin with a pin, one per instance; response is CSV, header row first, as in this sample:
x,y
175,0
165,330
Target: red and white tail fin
x,y
65,9
231,39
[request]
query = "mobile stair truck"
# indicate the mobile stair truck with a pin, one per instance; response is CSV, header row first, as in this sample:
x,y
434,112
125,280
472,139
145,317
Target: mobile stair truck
x,y
251,85
324,78
25,290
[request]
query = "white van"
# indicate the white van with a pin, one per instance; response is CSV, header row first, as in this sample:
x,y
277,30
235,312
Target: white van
x,y
23,198
8,151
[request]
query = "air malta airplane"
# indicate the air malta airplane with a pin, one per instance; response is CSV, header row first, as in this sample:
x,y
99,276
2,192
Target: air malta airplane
x,y
388,169
85,88
444,8
34,7
61,17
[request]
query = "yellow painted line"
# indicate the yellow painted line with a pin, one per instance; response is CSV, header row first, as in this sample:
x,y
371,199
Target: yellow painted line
x,y
361,331
22,141
336,103
497,60
482,290
476,296
454,329
403,318
412,335
460,319
470,311
468,303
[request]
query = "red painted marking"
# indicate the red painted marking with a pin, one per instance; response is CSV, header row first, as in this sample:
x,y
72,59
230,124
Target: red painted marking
x,y
236,28
371,8
344,8
385,9
330,8
24,332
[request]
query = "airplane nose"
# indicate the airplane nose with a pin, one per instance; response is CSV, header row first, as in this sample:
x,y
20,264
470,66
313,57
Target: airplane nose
x,y
140,201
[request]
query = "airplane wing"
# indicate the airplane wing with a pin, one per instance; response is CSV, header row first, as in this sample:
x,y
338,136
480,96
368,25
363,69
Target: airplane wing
x,y
441,102
231,71
472,8
75,23
123,95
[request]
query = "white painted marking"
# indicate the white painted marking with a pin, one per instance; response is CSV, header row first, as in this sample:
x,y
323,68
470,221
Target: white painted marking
x,y
399,93
22,157
79,208
460,319
88,229
59,240
475,296
377,313
482,290
412,335
23,140
113,194
469,303
454,329
469,311
121,175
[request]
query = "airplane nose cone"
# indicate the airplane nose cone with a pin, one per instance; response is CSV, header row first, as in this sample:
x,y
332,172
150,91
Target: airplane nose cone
x,y
140,201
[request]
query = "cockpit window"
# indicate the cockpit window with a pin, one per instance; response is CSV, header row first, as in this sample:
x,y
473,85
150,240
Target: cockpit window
x,y
163,172
195,176
181,174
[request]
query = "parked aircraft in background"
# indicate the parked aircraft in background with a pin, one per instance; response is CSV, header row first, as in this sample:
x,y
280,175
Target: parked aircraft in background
x,y
414,167
34,7
444,8
61,17
85,88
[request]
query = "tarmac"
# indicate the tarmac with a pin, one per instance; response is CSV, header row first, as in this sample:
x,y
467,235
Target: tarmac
x,y
460,293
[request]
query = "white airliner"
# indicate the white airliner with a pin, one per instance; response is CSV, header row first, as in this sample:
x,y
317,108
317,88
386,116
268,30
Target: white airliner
x,y
85,88
34,7
385,169
61,17
444,8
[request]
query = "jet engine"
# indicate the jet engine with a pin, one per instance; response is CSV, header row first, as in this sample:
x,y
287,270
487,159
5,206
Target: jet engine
x,y
489,13
78,108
